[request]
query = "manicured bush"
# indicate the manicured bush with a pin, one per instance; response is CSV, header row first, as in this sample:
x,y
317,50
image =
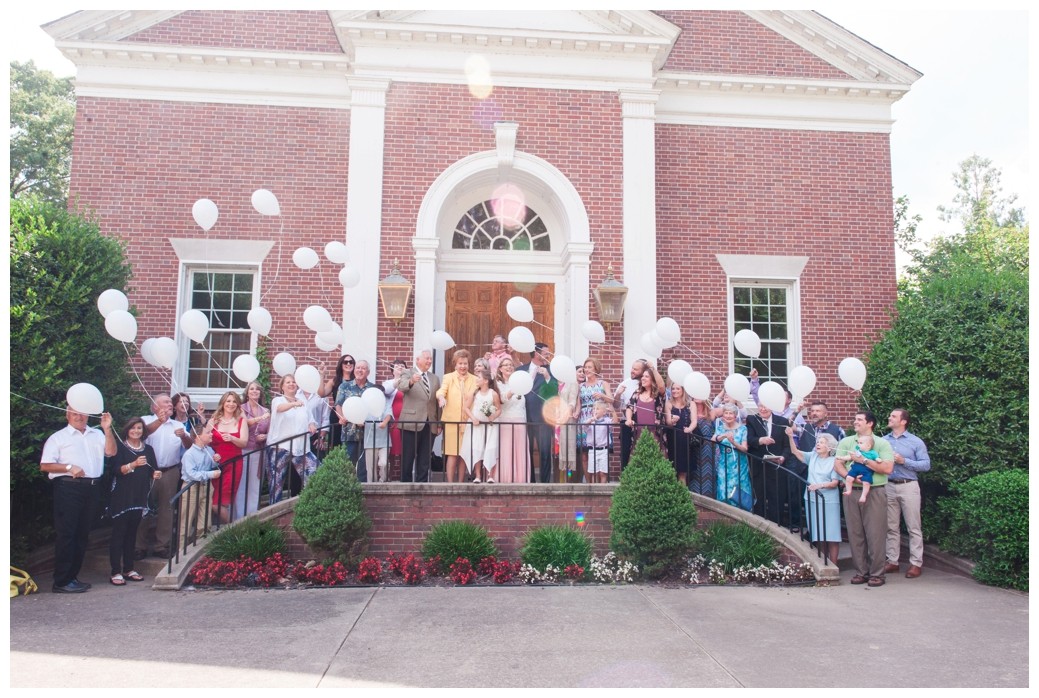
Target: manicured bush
x,y
559,546
988,522
450,540
736,545
330,515
249,538
652,513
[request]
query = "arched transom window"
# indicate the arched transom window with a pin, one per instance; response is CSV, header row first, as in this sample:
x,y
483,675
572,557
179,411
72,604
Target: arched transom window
x,y
501,224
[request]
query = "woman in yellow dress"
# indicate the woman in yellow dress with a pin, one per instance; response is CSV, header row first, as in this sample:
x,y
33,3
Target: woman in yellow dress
x,y
453,389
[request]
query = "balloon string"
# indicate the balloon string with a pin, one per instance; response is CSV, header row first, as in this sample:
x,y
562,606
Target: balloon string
x,y
41,404
136,374
277,268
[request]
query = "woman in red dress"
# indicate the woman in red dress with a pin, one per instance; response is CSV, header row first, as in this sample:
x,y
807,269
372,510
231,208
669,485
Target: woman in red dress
x,y
230,434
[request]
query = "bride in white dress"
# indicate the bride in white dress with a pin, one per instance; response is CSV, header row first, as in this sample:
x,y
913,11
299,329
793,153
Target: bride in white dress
x,y
479,448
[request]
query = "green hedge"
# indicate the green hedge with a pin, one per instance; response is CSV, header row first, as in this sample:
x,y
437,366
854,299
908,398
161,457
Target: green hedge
x,y
330,515
988,522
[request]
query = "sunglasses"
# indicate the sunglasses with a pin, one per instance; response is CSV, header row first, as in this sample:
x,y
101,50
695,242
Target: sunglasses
x,y
347,361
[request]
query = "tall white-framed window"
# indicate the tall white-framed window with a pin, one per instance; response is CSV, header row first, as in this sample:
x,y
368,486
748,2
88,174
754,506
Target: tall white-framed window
x,y
765,308
225,295
763,295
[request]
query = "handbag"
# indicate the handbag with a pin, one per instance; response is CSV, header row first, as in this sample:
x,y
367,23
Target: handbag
x,y
21,583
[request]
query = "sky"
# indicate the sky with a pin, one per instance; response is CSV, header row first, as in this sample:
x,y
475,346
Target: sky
x,y
972,99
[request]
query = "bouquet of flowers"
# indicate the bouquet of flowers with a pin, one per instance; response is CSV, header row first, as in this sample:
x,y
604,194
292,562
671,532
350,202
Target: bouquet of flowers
x,y
487,409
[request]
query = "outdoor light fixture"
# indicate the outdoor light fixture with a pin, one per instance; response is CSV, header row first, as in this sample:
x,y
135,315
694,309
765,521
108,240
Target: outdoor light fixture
x,y
609,299
394,292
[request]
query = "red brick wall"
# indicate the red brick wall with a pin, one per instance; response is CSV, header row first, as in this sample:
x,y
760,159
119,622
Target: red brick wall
x,y
428,128
141,165
727,41
819,194
309,31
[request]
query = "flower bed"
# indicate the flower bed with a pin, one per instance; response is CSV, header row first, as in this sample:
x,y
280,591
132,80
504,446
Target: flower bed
x,y
400,570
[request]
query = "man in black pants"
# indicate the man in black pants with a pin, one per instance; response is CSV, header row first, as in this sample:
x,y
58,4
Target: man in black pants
x,y
74,458
418,416
767,440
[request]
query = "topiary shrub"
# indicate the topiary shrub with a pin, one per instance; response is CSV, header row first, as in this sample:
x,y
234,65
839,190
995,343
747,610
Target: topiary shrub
x,y
330,515
450,540
736,545
652,513
988,522
559,546
252,538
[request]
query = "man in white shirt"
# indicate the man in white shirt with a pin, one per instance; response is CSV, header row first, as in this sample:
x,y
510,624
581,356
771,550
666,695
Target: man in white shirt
x,y
74,459
169,439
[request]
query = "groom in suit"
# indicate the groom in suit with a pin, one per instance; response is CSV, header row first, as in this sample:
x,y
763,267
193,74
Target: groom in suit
x,y
418,415
769,447
545,387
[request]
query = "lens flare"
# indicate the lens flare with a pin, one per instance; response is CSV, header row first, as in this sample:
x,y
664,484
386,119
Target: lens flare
x,y
478,77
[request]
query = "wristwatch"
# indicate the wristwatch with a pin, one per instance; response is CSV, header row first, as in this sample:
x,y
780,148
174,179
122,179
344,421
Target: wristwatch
x,y
68,468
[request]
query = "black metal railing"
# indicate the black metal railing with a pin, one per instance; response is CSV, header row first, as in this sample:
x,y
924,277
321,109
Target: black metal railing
x,y
771,490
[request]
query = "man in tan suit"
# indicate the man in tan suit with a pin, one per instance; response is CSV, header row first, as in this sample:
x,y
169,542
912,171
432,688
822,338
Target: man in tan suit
x,y
420,408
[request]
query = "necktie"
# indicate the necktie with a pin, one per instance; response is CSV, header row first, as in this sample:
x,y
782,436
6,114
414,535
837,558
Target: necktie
x,y
425,381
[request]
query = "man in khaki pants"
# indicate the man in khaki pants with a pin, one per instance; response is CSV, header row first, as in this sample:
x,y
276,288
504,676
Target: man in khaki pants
x,y
903,493
198,465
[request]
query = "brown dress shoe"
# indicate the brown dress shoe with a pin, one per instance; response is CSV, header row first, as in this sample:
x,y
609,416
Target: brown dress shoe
x,y
876,581
914,572
859,579
891,568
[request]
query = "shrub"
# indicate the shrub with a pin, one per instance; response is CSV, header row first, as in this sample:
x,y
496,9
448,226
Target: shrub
x,y
60,264
559,546
251,538
735,545
330,515
450,540
988,522
652,513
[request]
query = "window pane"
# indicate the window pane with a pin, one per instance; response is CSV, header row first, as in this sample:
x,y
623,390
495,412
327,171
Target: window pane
x,y
225,298
481,229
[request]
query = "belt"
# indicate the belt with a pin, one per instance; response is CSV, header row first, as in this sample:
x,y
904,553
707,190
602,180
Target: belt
x,y
78,480
168,467
599,448
899,482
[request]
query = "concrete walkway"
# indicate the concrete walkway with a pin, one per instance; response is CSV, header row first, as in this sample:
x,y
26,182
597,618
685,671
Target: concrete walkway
x,y
938,630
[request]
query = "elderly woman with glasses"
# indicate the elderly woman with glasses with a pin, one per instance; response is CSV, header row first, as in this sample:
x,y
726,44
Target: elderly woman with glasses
x,y
822,503
733,475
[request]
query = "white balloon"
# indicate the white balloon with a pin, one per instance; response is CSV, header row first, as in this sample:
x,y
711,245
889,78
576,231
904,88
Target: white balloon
x,y
308,378
374,401
336,252
593,331
266,203
772,396
650,346
354,410
205,214
802,381
121,325
305,258
333,335
195,325
260,321
112,299
697,386
677,370
349,276
519,309
669,331
165,351
748,343
563,368
852,372
521,383
441,341
85,398
317,319
146,351
521,339
245,368
284,364
738,387
324,345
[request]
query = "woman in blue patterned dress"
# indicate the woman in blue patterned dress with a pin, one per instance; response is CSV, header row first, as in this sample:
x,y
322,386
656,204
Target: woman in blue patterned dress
x,y
733,481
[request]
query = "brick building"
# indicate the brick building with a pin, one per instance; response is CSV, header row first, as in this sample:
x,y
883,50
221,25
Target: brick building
x,y
729,166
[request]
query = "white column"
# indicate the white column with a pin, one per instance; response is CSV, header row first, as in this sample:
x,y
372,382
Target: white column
x,y
364,215
425,289
572,304
638,109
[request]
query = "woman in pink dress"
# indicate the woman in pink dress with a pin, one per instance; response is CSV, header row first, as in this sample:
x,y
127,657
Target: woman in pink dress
x,y
514,455
230,435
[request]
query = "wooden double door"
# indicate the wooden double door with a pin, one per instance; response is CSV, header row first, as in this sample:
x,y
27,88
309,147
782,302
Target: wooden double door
x,y
476,312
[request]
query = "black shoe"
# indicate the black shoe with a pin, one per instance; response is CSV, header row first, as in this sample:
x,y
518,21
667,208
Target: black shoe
x,y
140,554
86,584
72,587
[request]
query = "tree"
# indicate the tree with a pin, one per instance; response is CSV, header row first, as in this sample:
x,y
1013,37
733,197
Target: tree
x,y
956,355
43,111
60,263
